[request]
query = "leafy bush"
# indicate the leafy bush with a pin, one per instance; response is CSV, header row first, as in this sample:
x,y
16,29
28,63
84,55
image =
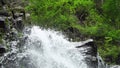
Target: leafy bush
x,y
59,13
111,51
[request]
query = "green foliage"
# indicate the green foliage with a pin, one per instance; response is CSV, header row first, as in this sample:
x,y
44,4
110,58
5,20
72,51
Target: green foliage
x,y
110,50
59,13
83,16
114,34
112,12
112,9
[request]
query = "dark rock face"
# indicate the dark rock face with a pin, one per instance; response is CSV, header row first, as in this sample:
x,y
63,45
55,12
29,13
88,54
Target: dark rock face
x,y
90,54
93,48
19,23
14,17
91,58
2,49
11,21
4,13
2,23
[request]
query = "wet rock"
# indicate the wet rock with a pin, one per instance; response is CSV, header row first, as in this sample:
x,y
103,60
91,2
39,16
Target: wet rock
x,y
4,13
2,49
2,22
90,53
91,48
19,24
18,15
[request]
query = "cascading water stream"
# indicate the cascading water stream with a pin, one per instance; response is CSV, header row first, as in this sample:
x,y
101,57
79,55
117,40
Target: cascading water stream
x,y
48,49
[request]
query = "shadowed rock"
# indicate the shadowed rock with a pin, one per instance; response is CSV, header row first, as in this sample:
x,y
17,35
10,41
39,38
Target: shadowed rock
x,y
91,58
90,53
2,23
19,24
4,13
2,49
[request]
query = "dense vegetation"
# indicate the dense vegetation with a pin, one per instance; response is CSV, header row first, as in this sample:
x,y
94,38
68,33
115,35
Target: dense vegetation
x,y
96,19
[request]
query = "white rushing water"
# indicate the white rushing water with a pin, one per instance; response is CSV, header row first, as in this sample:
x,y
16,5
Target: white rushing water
x,y
49,49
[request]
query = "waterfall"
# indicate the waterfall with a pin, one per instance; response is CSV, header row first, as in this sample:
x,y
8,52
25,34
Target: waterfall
x,y
48,49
